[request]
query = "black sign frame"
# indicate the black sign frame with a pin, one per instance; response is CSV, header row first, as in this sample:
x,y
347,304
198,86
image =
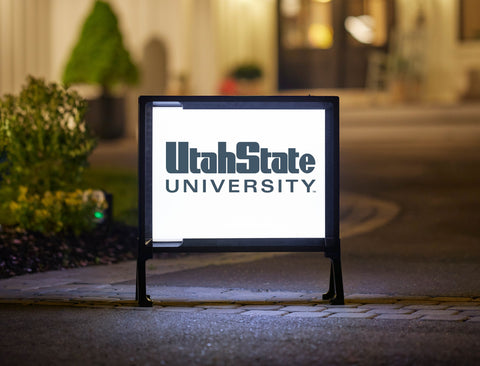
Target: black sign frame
x,y
330,245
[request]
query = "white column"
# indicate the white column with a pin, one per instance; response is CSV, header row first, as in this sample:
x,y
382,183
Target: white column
x,y
24,42
204,77
442,74
19,41
6,46
439,81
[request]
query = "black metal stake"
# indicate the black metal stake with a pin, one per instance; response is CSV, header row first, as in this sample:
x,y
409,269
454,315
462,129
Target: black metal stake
x,y
141,290
335,289
330,294
337,275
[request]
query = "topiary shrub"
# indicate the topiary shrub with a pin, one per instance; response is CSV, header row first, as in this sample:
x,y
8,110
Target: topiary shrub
x,y
100,57
45,145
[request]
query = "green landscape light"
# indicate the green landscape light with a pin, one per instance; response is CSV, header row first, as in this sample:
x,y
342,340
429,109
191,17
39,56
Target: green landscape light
x,y
102,212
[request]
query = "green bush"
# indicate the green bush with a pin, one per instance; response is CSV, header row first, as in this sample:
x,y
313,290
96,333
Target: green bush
x,y
43,137
249,71
56,212
99,56
44,147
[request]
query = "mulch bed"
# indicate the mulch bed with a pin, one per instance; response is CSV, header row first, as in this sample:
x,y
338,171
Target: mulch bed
x,y
29,252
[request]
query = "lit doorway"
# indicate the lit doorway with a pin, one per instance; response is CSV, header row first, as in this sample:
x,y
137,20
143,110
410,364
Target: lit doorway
x,y
327,43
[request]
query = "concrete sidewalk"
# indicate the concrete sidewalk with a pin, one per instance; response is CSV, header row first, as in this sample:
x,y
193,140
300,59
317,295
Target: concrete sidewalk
x,y
105,287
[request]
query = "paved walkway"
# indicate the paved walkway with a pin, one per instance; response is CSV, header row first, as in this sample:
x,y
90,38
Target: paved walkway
x,y
112,286
359,306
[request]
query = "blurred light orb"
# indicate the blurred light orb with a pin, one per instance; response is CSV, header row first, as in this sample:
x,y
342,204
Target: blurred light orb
x,y
320,36
362,28
290,8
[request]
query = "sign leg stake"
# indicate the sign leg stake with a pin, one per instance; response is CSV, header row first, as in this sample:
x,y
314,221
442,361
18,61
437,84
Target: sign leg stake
x,y
335,290
330,294
337,275
141,288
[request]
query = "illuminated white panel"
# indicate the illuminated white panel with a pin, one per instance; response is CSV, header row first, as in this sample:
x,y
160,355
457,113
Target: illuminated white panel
x,y
206,205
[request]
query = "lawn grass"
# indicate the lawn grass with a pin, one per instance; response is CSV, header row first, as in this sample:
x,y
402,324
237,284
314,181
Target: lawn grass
x,y
123,184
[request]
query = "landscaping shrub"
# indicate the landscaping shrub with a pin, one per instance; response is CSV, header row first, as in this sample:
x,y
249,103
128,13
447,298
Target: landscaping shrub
x,y
44,146
56,212
44,138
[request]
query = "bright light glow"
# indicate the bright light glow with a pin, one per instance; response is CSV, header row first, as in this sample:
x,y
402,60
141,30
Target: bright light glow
x,y
235,211
98,215
320,36
362,28
290,8
323,1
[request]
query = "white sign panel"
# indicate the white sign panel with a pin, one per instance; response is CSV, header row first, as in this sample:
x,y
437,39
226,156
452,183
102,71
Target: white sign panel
x,y
237,173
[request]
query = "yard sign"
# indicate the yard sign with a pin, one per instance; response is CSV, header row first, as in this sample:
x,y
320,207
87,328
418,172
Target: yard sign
x,y
238,174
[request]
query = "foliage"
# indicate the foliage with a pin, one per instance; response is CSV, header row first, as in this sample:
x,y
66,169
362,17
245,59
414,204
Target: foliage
x,y
44,144
123,184
100,56
56,212
249,71
44,138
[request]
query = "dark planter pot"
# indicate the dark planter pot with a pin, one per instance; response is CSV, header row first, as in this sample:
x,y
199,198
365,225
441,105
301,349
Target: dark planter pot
x,y
106,116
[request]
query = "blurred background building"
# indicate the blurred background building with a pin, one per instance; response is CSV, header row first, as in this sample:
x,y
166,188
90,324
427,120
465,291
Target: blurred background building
x,y
397,50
